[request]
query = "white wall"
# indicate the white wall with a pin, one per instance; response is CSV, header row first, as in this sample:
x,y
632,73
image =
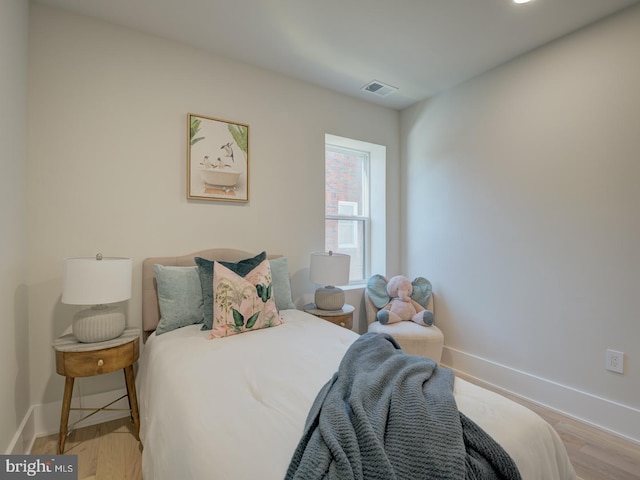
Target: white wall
x,y
107,166
522,208
14,345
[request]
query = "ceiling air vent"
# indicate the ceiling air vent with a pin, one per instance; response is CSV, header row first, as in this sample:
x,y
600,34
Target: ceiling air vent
x,y
379,88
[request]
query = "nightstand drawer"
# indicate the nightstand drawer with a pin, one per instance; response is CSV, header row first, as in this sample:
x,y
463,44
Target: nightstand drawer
x,y
342,317
345,320
97,362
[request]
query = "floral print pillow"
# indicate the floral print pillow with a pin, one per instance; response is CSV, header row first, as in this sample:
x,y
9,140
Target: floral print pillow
x,y
242,304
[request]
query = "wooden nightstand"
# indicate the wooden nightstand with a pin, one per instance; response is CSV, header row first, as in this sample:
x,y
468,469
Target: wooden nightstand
x,y
343,317
75,359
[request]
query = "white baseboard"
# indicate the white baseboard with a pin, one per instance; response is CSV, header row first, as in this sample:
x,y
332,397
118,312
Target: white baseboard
x,y
616,418
44,419
23,438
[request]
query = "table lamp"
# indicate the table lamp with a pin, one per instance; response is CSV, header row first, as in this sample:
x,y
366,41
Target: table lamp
x,y
99,282
329,269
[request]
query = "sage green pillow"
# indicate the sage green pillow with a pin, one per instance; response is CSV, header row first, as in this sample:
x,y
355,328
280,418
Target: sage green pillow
x,y
179,297
281,283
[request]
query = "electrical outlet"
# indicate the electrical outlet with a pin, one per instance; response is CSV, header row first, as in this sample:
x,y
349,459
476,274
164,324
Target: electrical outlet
x,y
615,361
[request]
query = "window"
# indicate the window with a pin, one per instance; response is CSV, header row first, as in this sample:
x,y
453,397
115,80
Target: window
x,y
347,229
351,168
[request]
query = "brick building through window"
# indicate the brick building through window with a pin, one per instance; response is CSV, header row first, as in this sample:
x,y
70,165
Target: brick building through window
x,y
346,205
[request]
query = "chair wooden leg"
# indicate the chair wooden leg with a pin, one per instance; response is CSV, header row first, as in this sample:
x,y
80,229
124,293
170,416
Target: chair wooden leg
x,y
64,416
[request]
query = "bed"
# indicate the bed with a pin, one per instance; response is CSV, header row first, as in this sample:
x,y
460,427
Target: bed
x,y
235,408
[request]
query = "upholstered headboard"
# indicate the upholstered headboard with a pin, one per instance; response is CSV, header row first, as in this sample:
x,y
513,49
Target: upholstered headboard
x,y
150,307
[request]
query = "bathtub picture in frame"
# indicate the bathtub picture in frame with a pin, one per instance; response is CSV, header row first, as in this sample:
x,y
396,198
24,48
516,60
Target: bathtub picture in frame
x,y
217,159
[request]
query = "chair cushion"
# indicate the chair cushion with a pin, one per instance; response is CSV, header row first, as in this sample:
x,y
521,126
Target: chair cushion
x,y
413,338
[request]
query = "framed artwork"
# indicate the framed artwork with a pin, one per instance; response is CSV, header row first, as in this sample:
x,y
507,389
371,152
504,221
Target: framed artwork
x,y
217,159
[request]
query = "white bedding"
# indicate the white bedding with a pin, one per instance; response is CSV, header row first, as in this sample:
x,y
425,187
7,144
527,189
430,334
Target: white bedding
x,y
234,408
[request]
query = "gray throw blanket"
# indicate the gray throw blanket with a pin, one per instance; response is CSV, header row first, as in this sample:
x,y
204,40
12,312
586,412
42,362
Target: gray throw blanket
x,y
388,415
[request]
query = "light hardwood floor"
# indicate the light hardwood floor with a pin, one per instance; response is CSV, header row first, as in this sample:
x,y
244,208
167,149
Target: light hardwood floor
x,y
109,451
594,454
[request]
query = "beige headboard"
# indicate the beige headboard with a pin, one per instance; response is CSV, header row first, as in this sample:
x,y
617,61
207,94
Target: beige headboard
x,y
150,308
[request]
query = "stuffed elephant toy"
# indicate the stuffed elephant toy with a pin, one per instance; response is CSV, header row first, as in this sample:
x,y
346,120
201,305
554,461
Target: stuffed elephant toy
x,y
401,299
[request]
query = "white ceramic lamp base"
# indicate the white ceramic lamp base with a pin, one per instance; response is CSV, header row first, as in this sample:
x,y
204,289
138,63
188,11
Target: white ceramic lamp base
x,y
99,324
329,298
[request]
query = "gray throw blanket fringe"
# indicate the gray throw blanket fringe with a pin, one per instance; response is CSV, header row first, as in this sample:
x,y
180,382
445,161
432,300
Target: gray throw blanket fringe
x,y
388,415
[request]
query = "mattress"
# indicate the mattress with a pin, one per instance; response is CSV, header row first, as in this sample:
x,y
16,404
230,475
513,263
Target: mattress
x,y
235,408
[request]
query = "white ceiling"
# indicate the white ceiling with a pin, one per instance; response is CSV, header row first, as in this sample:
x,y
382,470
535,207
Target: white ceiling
x,y
422,47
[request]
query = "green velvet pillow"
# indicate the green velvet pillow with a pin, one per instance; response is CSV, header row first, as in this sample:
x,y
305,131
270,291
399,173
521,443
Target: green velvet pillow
x,y
205,271
179,297
281,283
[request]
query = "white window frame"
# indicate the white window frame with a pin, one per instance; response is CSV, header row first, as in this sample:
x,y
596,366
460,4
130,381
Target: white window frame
x,y
374,213
343,218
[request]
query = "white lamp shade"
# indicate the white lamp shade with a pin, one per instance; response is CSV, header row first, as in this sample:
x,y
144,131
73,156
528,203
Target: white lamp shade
x,y
88,281
328,268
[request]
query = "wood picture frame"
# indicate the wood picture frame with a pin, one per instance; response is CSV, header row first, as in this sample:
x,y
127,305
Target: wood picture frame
x,y
217,159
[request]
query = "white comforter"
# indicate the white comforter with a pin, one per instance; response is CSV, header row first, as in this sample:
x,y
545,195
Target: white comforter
x,y
234,408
